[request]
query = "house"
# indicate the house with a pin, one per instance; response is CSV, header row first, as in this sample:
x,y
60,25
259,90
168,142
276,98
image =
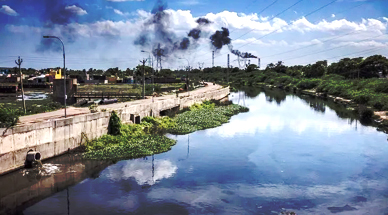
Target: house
x,y
97,79
38,79
10,78
128,79
55,73
112,80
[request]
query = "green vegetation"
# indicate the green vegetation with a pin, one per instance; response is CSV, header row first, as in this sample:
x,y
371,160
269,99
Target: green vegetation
x,y
147,138
8,117
114,125
11,110
351,78
128,88
204,116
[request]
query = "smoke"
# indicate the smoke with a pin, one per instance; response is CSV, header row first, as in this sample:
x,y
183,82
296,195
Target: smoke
x,y
240,54
57,13
221,38
196,33
155,33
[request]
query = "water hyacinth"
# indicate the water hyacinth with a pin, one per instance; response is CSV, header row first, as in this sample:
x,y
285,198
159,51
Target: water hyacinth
x,y
147,138
203,118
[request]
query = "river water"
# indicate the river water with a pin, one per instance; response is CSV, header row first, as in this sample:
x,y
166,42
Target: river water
x,y
288,153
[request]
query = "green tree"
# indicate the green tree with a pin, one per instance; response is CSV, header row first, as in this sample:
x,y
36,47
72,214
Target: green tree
x,y
373,65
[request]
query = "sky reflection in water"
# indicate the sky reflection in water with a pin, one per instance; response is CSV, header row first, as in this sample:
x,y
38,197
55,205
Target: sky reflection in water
x,y
273,158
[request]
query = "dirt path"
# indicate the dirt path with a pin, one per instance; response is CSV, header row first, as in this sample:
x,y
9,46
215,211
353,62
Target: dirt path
x,y
73,111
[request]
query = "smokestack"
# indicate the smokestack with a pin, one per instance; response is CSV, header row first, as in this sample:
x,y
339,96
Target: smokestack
x,y
258,63
213,59
227,71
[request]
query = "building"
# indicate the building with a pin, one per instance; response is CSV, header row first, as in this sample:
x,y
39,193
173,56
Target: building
x,y
55,73
38,79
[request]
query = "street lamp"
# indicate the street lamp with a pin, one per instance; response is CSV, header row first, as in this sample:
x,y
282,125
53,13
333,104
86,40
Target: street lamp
x,y
188,71
64,66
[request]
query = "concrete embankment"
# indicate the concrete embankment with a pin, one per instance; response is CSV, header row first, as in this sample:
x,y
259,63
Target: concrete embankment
x,y
55,136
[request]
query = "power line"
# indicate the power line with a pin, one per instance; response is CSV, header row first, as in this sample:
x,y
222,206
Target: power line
x,y
320,8
273,18
281,27
330,49
309,45
364,52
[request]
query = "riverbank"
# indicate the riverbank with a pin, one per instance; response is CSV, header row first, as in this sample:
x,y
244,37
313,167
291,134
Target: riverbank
x,y
127,141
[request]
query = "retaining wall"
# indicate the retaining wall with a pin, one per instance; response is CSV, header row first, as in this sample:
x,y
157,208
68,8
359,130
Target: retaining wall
x,y
57,136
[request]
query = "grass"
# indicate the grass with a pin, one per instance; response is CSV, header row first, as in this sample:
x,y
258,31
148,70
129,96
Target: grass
x,y
147,138
123,88
32,106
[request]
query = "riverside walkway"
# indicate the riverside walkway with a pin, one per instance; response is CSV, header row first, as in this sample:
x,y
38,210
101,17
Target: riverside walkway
x,y
74,111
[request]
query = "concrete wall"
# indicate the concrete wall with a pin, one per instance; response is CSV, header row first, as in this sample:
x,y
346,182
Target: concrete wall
x,y
57,136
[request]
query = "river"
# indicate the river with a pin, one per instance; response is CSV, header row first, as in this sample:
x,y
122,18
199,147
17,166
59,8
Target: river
x,y
287,154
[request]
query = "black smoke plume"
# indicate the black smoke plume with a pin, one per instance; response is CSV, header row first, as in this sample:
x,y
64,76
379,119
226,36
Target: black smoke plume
x,y
164,42
221,38
240,54
197,32
56,14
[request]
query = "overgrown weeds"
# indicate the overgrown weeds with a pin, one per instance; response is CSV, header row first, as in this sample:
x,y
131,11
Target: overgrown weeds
x,y
147,138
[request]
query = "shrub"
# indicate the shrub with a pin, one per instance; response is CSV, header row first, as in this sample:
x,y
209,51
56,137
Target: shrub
x,y
9,117
114,124
308,83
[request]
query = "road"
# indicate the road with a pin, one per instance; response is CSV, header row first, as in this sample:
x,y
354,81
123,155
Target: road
x,y
73,111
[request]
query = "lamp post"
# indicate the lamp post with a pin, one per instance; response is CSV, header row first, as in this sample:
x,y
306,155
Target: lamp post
x,y
188,71
64,66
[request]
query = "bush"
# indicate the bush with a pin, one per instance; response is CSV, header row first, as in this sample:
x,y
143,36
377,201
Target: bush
x,y
308,83
9,117
382,87
114,125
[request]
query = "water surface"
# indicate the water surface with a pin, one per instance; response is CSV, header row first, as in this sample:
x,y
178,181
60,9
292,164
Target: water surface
x,y
286,154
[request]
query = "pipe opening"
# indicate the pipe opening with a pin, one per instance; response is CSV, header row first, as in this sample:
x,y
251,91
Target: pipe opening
x,y
37,156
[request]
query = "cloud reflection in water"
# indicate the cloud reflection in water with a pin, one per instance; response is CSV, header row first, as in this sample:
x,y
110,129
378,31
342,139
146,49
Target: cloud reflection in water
x,y
141,171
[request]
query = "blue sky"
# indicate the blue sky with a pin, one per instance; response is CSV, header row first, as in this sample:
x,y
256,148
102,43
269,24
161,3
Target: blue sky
x,y
101,33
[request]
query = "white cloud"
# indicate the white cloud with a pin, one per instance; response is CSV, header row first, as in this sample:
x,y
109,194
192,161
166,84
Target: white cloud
x,y
123,0
120,12
332,15
246,22
22,29
304,25
253,40
189,2
8,10
364,44
76,10
385,18
253,25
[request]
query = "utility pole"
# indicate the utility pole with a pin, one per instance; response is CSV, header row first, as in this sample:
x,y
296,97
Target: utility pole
x,y
200,65
188,82
213,59
227,72
143,62
19,63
